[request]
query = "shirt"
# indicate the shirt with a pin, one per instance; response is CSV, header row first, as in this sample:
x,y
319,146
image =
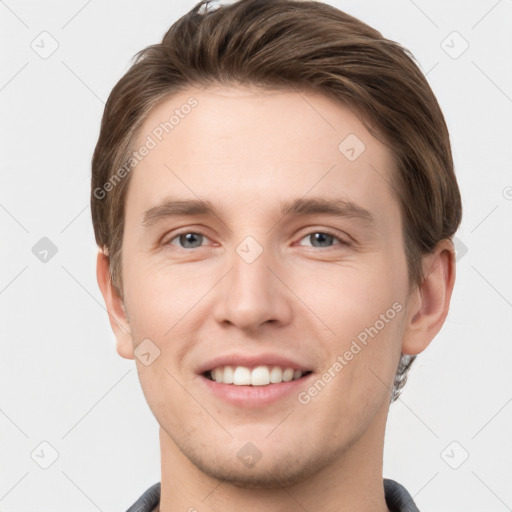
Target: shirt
x,y
397,498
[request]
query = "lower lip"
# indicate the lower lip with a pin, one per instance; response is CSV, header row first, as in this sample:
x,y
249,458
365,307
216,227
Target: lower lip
x,y
255,396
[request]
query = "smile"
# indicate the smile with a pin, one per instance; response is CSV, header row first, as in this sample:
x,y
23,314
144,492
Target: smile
x,y
257,376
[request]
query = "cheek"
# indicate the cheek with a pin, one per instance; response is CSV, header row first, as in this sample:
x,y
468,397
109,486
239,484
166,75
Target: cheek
x,y
160,303
365,310
159,295
361,312
351,297
168,398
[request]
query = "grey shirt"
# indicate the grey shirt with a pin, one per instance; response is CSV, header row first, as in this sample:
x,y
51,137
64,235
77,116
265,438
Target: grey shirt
x,y
397,498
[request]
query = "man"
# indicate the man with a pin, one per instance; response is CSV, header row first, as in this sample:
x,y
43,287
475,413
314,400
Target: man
x,y
274,199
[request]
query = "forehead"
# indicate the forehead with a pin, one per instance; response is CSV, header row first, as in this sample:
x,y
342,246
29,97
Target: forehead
x,y
246,145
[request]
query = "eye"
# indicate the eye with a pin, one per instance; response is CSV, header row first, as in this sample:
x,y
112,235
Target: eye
x,y
323,239
188,240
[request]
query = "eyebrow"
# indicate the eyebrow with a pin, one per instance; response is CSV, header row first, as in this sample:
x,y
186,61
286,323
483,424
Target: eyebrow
x,y
301,206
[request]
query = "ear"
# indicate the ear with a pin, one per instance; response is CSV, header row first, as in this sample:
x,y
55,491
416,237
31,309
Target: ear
x,y
430,302
115,307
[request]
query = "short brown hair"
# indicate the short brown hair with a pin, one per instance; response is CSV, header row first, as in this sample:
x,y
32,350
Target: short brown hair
x,y
294,45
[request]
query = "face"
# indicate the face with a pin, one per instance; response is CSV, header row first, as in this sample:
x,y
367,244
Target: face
x,y
263,243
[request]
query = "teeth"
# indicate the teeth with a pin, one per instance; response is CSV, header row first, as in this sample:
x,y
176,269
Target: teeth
x,y
258,376
217,374
288,375
276,375
242,376
228,375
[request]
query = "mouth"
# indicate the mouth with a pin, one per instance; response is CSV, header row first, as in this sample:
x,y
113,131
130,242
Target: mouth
x,y
261,376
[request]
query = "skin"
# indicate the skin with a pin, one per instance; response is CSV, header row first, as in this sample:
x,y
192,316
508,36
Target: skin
x,y
245,150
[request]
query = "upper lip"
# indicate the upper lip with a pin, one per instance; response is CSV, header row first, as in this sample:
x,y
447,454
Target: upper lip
x,y
251,361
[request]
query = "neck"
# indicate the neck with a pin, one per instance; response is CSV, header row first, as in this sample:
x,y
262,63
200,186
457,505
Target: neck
x,y
353,482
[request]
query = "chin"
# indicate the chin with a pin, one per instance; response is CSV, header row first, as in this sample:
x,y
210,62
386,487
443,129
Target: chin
x,y
282,470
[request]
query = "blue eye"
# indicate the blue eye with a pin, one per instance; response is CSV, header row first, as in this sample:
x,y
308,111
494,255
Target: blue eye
x,y
323,239
189,240
317,239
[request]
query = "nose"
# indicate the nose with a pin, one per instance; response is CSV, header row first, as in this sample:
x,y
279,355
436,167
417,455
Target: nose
x,y
253,294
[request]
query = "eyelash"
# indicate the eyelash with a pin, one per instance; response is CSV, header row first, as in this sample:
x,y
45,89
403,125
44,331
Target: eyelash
x,y
341,241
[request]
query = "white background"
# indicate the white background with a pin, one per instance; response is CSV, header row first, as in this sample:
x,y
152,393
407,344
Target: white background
x,y
61,379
